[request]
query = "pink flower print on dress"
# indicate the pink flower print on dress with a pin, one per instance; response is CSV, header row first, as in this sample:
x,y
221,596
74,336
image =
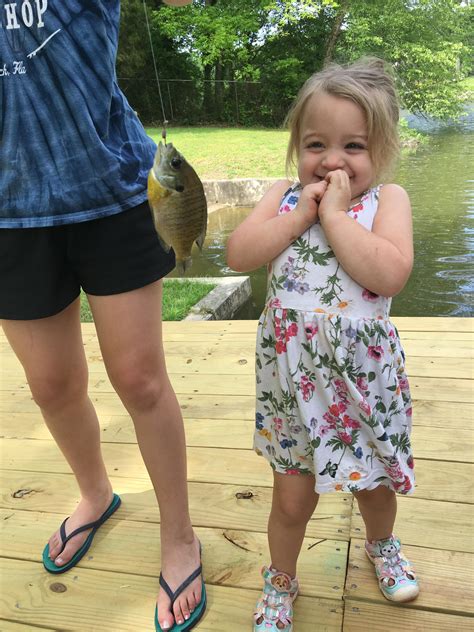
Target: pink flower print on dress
x,y
285,209
362,385
367,295
307,388
349,422
280,347
403,487
275,303
341,390
311,329
375,352
291,331
403,384
357,209
365,407
278,423
345,437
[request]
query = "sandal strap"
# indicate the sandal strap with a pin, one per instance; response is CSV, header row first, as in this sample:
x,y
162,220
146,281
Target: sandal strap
x,y
90,525
65,538
174,595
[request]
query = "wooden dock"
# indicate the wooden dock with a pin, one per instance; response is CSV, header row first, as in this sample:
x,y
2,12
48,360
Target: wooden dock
x,y
212,369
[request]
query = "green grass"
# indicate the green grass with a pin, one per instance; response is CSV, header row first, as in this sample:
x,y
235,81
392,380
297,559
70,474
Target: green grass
x,y
224,152
178,298
221,153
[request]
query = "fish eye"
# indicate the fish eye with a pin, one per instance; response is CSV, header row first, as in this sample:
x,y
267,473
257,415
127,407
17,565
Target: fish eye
x,y
179,188
176,163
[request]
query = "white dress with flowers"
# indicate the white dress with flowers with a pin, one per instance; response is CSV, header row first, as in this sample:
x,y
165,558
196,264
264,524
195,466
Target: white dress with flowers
x,y
332,395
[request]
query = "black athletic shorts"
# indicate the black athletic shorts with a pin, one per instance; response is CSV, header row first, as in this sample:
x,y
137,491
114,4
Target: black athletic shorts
x,y
43,269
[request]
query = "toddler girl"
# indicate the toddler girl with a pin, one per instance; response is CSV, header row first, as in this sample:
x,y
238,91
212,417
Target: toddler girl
x,y
333,402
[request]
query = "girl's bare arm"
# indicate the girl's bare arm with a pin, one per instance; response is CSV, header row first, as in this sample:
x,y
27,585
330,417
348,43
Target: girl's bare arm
x,y
264,234
380,260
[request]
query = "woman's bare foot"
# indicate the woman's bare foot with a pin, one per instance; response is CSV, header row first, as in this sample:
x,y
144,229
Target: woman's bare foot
x,y
180,557
88,510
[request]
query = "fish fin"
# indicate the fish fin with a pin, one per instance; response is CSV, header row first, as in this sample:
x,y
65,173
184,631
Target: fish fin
x,y
201,238
183,265
166,247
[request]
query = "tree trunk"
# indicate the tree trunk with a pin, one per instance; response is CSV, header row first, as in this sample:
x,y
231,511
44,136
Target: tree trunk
x,y
335,31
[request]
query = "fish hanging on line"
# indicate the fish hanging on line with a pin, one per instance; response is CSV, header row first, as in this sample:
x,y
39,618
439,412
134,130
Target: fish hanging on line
x,y
178,204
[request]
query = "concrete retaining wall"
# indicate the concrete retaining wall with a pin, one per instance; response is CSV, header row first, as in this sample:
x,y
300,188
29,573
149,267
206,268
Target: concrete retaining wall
x,y
239,192
223,301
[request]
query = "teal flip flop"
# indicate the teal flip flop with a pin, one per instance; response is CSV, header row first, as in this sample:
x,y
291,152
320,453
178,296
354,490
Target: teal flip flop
x,y
49,564
198,613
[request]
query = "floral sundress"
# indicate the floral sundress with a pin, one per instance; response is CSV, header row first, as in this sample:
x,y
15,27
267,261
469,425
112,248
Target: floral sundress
x,y
333,398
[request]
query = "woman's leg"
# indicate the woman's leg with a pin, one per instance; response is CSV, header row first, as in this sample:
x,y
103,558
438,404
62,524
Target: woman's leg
x,y
52,355
379,509
130,336
294,501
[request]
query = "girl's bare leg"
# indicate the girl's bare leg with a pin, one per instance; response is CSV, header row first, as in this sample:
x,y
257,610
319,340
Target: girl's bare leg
x,y
379,509
52,355
130,336
294,501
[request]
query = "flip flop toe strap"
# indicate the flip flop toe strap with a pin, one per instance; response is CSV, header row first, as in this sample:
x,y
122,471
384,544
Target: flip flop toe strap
x,y
91,525
174,595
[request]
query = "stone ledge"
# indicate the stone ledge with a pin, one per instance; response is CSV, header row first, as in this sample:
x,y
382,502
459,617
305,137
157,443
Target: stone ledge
x,y
238,192
223,301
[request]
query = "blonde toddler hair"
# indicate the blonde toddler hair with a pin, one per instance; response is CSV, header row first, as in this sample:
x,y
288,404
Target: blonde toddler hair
x,y
368,84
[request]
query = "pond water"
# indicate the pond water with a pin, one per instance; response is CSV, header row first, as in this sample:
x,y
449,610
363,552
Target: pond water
x,y
439,177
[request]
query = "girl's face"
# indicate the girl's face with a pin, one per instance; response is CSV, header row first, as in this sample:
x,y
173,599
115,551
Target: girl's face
x,y
333,136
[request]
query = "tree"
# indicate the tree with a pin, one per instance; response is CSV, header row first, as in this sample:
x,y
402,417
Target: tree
x,y
426,41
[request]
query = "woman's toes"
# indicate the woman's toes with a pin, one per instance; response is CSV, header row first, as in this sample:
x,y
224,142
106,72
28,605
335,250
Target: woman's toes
x,y
191,603
178,613
166,622
54,546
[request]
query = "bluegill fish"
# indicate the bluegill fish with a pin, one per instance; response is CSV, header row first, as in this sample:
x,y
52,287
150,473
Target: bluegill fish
x,y
178,204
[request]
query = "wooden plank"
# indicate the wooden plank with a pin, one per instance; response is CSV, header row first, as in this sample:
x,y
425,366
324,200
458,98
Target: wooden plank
x,y
244,349
434,323
380,617
442,525
437,443
442,444
211,505
192,406
461,368
230,557
226,365
437,480
444,416
10,626
186,334
445,578
18,398
99,600
438,348
442,389
466,336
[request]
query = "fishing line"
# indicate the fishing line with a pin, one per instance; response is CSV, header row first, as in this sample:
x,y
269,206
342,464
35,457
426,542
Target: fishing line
x,y
165,121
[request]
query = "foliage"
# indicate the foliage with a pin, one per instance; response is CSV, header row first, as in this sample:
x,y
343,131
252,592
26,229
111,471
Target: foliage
x,y
426,41
241,62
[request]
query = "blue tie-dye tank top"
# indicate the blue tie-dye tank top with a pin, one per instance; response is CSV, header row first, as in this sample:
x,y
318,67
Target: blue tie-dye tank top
x,y
71,148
